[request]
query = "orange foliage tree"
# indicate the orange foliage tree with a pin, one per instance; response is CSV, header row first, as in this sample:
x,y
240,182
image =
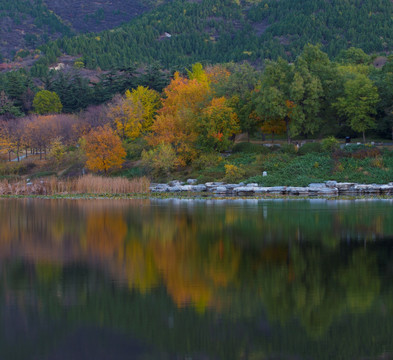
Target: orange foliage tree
x,y
218,122
273,126
176,122
104,150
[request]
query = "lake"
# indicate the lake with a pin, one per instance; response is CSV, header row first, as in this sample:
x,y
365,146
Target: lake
x,y
196,279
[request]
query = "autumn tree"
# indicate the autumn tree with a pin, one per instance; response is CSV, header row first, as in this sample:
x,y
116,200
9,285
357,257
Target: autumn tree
x,y
149,100
273,127
104,150
176,121
237,83
126,116
12,136
217,123
47,102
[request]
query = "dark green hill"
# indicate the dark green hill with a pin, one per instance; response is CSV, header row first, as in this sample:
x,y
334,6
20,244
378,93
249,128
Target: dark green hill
x,y
183,32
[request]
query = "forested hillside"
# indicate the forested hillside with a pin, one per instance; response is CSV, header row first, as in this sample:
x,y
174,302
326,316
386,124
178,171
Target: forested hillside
x,y
182,32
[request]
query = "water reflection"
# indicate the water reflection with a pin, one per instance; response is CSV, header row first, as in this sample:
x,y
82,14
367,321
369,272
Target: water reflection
x,y
242,279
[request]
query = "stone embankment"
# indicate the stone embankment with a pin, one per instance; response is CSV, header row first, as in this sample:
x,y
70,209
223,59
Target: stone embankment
x,y
328,188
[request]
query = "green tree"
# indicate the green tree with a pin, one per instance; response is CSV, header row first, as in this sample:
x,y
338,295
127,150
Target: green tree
x,y
359,103
47,102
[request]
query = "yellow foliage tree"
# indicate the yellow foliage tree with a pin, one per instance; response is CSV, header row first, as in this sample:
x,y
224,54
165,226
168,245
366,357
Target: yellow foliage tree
x,y
149,100
127,116
104,150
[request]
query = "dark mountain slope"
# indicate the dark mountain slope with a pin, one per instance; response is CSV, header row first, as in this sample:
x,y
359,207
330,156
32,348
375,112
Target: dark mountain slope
x,y
93,16
26,24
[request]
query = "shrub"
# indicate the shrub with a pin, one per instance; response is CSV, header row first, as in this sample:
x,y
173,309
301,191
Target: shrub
x,y
234,173
314,147
330,144
366,152
16,168
377,162
288,149
161,160
206,161
135,148
42,174
246,147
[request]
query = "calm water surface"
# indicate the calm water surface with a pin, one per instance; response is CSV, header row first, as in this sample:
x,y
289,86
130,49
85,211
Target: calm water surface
x,y
200,280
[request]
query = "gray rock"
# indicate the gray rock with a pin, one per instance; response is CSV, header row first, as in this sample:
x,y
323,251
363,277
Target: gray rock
x,y
186,188
199,188
244,189
252,185
387,189
231,186
293,190
264,173
345,186
331,183
317,185
221,190
261,190
159,188
277,189
176,188
192,181
367,188
175,183
326,191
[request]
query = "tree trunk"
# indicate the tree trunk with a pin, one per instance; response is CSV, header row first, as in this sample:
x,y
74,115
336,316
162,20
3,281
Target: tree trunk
x,y
17,153
392,132
272,137
40,154
248,136
287,126
364,137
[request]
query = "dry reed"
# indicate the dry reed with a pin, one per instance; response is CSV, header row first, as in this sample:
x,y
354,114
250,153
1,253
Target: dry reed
x,y
92,184
87,184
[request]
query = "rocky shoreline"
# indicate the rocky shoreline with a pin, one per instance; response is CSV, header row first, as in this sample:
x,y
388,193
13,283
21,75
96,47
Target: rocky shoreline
x,y
327,188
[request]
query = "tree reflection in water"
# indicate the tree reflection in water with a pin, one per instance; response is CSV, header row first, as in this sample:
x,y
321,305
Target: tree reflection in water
x,y
259,272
